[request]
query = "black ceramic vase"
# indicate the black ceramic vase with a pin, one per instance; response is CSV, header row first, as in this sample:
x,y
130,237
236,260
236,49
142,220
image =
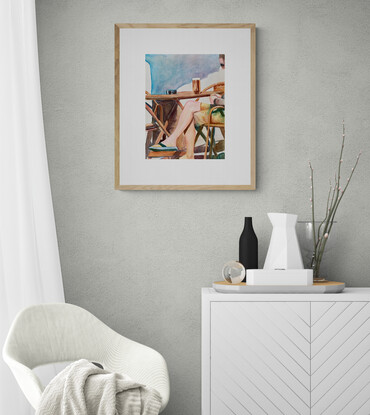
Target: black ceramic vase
x,y
248,246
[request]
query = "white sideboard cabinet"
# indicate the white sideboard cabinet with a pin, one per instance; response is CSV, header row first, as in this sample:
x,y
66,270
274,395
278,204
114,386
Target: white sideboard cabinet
x,y
286,353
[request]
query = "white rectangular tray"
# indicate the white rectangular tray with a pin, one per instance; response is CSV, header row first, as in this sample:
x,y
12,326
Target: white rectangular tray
x,y
318,288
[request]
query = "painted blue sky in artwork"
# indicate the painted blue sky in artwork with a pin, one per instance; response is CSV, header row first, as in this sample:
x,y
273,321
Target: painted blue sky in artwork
x,y
173,71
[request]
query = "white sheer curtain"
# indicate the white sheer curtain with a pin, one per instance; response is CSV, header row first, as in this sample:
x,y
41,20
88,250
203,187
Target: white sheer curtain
x,y
29,259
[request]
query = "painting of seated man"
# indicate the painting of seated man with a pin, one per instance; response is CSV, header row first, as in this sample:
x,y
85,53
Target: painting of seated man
x,y
185,106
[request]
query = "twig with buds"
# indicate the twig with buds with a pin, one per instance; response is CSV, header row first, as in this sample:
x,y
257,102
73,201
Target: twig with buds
x,y
335,196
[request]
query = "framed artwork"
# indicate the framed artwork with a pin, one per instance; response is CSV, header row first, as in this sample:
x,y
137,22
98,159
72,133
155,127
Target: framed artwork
x,y
185,106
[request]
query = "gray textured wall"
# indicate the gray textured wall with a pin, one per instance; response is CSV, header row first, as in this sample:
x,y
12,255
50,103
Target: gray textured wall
x,y
120,260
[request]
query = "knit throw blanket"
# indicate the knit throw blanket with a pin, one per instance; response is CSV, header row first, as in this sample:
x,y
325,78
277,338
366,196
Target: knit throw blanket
x,y
84,389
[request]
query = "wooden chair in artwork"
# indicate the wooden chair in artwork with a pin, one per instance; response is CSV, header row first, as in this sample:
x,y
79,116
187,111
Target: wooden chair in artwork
x,y
217,148
156,112
218,87
156,126
209,138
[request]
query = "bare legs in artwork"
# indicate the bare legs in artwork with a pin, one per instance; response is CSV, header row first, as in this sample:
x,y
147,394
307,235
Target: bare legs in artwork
x,y
186,126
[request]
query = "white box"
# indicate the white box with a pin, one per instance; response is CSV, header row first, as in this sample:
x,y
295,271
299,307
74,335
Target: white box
x,y
279,277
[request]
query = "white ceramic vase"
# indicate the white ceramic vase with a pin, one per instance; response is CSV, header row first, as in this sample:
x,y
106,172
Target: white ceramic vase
x,y
284,251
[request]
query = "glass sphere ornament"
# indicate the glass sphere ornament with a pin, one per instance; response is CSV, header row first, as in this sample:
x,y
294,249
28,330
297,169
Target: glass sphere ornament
x,y
233,272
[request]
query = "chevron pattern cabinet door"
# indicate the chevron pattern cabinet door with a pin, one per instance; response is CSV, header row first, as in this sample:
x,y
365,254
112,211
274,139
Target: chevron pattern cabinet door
x,y
260,358
340,358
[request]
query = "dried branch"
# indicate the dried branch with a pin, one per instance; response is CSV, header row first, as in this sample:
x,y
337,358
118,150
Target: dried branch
x,y
335,196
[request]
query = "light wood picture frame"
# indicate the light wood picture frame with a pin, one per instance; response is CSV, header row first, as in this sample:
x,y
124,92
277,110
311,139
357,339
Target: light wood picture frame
x,y
156,146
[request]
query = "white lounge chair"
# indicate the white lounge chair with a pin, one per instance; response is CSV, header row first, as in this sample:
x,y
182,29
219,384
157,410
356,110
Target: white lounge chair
x,y
51,333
